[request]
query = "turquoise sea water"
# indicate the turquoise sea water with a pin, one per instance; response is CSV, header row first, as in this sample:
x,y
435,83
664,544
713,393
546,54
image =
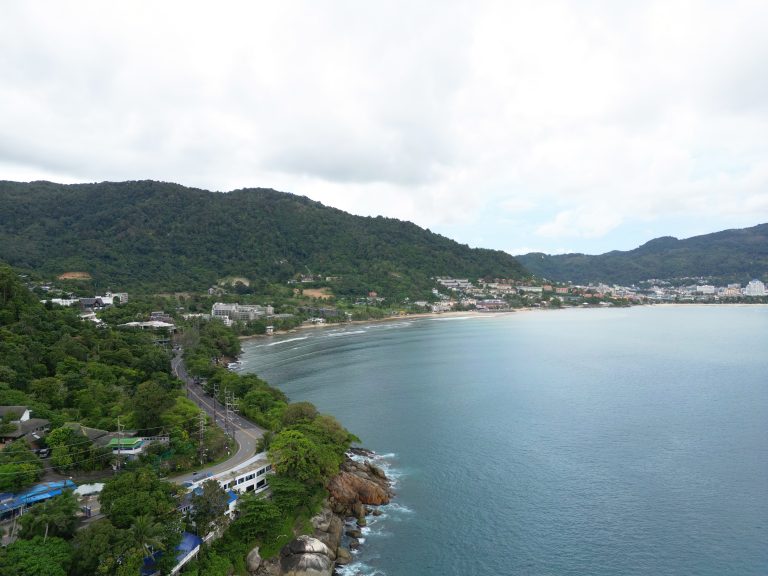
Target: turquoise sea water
x,y
574,442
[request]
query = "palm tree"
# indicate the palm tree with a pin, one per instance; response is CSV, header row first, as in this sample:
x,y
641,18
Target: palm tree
x,y
57,516
146,534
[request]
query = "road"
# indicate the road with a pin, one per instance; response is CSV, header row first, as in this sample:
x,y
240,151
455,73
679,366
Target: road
x,y
247,434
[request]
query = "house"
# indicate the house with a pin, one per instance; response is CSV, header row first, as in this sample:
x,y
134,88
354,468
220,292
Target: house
x,y
16,422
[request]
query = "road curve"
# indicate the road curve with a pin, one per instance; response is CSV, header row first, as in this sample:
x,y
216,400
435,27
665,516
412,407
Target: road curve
x,y
247,434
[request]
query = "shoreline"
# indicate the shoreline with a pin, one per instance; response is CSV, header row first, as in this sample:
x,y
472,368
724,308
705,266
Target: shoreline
x,y
418,316
477,314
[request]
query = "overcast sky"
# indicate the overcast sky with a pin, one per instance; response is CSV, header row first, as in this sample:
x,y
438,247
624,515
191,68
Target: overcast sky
x,y
540,125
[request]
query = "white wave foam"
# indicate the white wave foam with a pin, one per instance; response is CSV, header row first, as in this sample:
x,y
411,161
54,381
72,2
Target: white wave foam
x,y
359,568
288,340
345,333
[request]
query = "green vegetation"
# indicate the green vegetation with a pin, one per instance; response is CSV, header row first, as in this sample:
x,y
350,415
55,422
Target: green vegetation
x,y
728,256
305,447
36,557
54,517
165,237
77,374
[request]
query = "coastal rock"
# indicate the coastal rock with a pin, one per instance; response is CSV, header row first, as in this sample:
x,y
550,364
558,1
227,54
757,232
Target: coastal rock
x,y
328,528
354,533
343,556
253,561
356,486
306,556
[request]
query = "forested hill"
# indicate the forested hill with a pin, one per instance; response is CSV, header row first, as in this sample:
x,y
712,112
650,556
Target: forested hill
x,y
728,256
160,236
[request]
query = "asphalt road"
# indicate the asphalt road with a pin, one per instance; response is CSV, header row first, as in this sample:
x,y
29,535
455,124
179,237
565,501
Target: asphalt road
x,y
247,433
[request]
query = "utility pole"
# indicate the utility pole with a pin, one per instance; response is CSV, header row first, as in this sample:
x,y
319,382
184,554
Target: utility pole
x,y
215,399
119,444
230,409
202,437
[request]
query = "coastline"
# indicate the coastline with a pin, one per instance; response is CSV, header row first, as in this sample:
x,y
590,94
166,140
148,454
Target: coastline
x,y
477,314
418,316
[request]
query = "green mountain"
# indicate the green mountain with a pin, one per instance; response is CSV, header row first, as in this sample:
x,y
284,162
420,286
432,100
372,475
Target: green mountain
x,y
148,235
727,256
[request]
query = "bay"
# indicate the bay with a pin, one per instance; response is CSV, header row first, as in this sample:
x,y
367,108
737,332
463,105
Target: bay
x,y
599,441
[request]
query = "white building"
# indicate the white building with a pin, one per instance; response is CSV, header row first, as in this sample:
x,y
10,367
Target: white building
x,y
755,288
249,476
240,312
705,289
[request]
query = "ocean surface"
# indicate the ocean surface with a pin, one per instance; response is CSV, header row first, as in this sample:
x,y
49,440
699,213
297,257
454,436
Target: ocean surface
x,y
573,442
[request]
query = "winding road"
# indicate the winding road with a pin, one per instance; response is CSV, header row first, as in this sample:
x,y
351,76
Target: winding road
x,y
247,434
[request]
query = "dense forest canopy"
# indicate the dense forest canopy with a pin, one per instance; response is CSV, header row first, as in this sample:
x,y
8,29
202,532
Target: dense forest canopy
x,y
727,256
160,236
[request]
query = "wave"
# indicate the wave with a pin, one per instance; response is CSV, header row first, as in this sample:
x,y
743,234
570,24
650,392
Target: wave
x,y
345,333
358,569
288,340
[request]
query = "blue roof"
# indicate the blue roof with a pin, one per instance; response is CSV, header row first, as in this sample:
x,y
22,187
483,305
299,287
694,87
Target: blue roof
x,y
231,496
188,543
37,493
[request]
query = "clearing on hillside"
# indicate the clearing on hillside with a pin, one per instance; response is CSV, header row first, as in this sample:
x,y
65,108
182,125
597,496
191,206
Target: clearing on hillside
x,y
74,276
323,293
232,280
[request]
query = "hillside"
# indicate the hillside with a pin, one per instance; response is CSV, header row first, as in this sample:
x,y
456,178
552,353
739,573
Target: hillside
x,y
727,256
151,235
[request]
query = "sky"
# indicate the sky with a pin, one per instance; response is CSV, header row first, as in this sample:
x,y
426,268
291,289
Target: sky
x,y
553,126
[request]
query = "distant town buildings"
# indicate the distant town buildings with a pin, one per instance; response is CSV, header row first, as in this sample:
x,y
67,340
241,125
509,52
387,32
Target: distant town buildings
x,y
240,312
755,288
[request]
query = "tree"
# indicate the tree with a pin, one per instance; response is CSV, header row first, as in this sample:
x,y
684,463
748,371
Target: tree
x,y
19,467
209,506
257,517
299,412
137,493
150,401
287,494
145,535
54,517
94,547
296,456
36,557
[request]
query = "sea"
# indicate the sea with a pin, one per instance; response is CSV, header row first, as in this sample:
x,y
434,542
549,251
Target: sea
x,y
551,443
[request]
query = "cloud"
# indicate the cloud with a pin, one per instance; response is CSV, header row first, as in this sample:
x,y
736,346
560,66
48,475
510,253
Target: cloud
x,y
587,223
580,122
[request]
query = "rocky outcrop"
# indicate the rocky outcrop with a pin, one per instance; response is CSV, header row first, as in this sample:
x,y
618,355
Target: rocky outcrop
x,y
306,556
358,485
328,529
352,492
253,561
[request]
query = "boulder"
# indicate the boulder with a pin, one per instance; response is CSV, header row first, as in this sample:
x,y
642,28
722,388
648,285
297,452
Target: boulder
x,y
306,556
328,528
343,556
253,561
354,533
349,489
354,544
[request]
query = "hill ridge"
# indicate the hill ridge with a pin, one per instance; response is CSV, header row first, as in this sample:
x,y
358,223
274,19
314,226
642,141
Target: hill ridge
x,y
165,236
733,255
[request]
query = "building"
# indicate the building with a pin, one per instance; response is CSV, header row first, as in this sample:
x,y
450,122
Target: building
x,y
249,476
11,504
755,288
240,312
16,422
